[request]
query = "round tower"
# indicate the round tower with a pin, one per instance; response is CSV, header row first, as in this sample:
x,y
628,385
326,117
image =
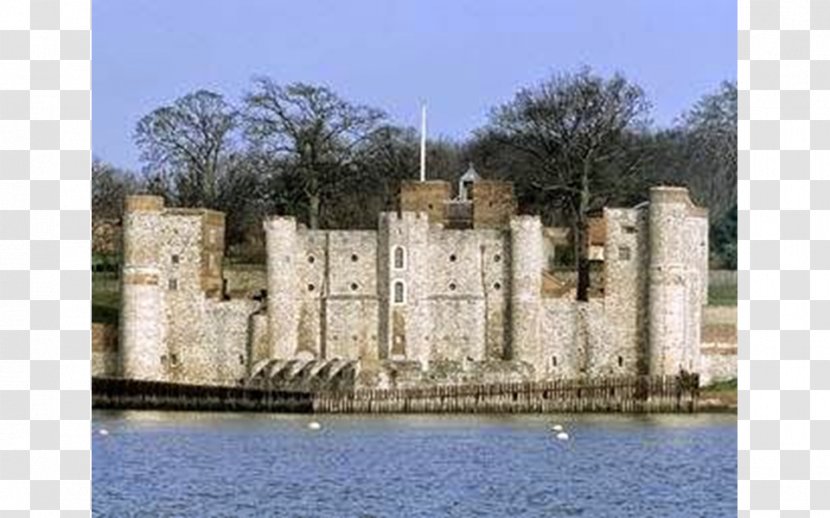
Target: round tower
x,y
668,296
283,285
142,314
526,289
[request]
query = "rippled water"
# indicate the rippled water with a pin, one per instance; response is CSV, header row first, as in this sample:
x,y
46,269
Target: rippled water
x,y
206,465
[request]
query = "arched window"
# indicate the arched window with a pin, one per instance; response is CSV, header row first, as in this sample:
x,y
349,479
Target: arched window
x,y
399,258
398,292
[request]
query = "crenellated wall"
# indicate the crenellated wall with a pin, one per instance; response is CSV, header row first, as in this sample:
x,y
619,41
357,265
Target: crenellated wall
x,y
445,303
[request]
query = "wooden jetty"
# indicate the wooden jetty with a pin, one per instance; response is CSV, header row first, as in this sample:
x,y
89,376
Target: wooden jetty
x,y
631,394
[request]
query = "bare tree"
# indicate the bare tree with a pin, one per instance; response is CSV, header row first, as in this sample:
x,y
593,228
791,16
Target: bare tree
x,y
573,128
189,142
109,187
314,129
710,129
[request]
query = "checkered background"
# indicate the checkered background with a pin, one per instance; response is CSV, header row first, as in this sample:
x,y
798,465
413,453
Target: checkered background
x,y
784,244
44,258
784,258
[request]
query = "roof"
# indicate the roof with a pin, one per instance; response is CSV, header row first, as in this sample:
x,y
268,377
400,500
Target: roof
x,y
470,175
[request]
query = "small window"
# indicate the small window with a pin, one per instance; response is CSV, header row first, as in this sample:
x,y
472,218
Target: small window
x,y
399,259
164,359
174,258
354,286
452,286
628,229
310,287
241,360
453,258
354,258
173,284
624,253
174,360
497,286
429,206
554,361
398,292
311,259
497,258
620,361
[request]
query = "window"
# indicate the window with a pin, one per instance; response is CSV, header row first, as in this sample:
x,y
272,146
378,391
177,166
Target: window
x,y
620,361
398,292
354,258
164,360
241,360
174,360
399,258
354,286
310,287
628,229
554,361
497,258
624,253
173,284
452,286
311,259
452,258
174,259
496,286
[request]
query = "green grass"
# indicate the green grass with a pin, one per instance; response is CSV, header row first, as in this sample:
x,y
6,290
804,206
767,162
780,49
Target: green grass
x,y
723,295
723,386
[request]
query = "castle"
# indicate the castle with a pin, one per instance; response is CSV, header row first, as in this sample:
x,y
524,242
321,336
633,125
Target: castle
x,y
455,287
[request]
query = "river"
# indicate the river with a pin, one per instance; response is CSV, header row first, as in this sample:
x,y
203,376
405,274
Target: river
x,y
171,464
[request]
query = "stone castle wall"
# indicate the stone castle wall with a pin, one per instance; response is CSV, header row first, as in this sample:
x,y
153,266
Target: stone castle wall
x,y
415,292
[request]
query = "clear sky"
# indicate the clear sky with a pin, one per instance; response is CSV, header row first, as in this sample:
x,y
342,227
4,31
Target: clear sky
x,y
461,56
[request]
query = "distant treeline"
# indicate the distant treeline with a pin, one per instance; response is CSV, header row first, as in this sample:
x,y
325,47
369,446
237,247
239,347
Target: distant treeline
x,y
571,144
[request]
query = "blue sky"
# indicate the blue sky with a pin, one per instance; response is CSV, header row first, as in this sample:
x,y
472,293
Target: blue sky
x,y
461,56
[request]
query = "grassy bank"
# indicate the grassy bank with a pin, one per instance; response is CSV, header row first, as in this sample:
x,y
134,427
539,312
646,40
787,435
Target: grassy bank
x,y
720,397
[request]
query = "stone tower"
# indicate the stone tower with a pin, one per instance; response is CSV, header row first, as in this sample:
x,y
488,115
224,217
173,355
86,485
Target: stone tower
x,y
283,278
142,296
677,286
526,285
403,289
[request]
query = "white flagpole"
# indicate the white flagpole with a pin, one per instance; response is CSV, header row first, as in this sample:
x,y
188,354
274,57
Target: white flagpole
x,y
423,142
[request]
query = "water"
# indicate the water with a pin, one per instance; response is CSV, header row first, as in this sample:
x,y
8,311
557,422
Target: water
x,y
211,465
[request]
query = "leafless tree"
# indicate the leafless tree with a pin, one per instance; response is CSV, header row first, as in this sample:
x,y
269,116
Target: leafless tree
x,y
313,129
109,187
188,143
711,141
573,128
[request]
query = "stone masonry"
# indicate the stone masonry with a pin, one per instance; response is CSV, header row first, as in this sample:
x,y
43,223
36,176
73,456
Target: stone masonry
x,y
445,290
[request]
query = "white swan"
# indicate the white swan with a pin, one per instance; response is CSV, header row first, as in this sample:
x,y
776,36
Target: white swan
x,y
314,425
557,428
562,436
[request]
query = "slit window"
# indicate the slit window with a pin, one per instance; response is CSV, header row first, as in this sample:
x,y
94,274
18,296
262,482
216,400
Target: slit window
x,y
620,361
174,258
554,361
399,259
398,292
